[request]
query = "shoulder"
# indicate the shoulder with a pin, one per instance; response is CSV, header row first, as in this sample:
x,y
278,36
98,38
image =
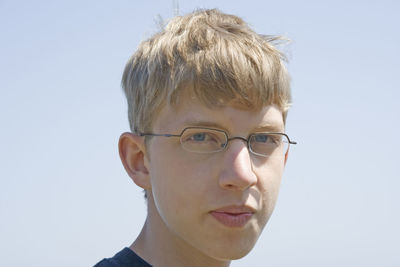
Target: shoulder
x,y
124,258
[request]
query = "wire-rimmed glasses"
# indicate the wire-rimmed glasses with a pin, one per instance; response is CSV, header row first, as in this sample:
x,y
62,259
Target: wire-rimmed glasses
x,y
209,140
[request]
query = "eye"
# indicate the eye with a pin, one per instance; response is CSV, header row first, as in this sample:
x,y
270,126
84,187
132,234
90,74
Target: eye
x,y
203,140
262,138
199,137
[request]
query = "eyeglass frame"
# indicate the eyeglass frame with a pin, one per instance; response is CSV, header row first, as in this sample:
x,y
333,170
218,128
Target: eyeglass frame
x,y
247,140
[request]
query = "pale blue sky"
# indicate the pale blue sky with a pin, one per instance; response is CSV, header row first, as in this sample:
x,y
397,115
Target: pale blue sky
x,y
65,197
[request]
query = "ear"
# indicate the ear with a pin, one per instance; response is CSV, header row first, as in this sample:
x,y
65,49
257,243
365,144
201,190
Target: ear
x,y
132,153
286,157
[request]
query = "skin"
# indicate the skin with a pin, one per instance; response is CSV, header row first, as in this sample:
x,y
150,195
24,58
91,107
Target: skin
x,y
184,187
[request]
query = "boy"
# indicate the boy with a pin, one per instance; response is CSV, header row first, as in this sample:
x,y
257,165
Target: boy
x,y
207,102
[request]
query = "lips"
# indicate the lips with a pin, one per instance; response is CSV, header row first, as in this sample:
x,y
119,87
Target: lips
x,y
233,216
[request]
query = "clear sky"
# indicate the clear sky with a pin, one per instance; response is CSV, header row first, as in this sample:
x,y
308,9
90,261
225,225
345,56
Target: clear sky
x,y
65,199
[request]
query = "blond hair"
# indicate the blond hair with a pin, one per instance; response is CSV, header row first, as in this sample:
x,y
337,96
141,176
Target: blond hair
x,y
214,56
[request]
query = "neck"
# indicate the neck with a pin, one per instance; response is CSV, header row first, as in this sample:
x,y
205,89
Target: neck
x,y
157,245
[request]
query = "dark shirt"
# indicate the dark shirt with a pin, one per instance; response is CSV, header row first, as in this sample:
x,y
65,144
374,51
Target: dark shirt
x,y
124,258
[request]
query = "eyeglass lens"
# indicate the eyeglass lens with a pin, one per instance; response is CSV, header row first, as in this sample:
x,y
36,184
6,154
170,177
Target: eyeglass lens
x,y
203,140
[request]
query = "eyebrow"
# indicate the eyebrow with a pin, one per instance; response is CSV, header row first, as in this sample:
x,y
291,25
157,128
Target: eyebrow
x,y
267,127
197,123
270,128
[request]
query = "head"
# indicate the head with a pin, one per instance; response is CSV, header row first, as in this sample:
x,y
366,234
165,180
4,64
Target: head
x,y
209,55
206,69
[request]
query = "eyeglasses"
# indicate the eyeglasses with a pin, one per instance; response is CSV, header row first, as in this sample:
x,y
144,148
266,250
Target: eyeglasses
x,y
208,140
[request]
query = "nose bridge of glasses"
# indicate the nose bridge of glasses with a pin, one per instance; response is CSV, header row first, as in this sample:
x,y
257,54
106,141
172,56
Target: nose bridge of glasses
x,y
237,137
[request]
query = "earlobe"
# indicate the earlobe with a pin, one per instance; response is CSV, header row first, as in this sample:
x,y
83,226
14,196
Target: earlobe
x,y
132,153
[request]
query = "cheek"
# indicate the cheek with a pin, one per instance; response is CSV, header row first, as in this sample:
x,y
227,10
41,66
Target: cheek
x,y
178,183
270,176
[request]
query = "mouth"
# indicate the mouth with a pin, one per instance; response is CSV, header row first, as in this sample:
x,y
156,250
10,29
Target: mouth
x,y
233,216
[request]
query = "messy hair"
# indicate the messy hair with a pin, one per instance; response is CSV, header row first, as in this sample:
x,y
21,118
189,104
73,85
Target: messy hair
x,y
213,56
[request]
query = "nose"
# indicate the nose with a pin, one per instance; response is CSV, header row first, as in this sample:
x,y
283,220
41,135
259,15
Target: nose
x,y
237,172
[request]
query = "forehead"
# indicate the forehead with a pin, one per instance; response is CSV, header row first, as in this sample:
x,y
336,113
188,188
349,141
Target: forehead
x,y
230,118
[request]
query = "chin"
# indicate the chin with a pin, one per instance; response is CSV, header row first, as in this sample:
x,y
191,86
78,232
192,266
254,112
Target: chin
x,y
228,254
231,251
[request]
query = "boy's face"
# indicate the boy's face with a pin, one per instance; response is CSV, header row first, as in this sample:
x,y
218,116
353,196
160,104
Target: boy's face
x,y
219,202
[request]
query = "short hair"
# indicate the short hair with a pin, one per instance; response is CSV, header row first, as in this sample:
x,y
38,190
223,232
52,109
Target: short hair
x,y
214,56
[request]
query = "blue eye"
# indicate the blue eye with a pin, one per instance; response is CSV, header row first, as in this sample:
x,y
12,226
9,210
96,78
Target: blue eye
x,y
198,137
203,140
262,138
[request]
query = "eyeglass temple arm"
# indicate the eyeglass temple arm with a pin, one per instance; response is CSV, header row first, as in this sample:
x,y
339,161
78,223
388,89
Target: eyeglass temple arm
x,y
152,134
290,142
